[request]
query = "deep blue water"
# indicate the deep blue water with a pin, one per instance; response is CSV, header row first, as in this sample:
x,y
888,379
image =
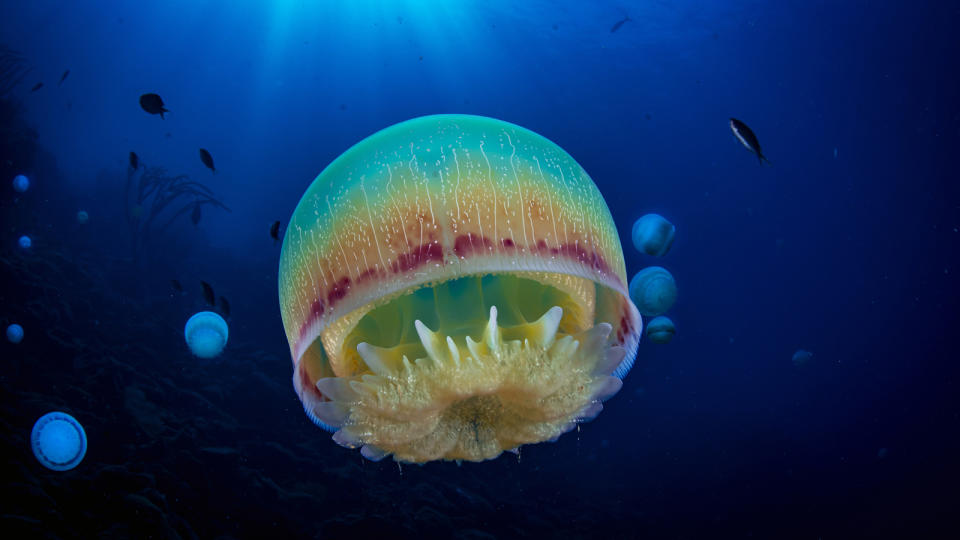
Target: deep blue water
x,y
846,246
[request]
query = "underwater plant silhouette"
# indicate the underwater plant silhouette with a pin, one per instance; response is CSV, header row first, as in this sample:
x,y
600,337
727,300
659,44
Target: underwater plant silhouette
x,y
158,200
13,68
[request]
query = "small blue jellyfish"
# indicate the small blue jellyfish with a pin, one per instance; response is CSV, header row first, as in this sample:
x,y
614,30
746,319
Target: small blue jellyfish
x,y
21,183
15,333
653,235
653,290
661,330
25,242
206,334
58,441
83,217
801,357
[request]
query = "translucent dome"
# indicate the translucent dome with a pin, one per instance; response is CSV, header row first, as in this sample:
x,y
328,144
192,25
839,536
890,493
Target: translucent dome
x,y
653,290
653,235
206,333
58,441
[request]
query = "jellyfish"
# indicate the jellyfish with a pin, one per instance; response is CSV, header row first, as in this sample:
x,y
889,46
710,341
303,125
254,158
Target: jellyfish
x,y
653,235
15,333
82,217
58,440
206,334
21,183
451,287
801,357
653,290
25,242
660,330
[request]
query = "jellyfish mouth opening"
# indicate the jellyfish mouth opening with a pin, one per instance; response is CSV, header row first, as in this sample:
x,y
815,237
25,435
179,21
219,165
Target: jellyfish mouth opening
x,y
468,368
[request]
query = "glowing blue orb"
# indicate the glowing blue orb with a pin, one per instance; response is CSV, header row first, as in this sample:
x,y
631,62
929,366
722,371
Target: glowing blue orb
x,y
206,334
15,333
25,242
802,357
82,217
21,183
58,441
653,235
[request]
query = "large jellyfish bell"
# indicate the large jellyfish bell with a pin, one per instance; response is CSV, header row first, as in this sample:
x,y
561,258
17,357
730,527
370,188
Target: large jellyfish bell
x,y
206,333
452,287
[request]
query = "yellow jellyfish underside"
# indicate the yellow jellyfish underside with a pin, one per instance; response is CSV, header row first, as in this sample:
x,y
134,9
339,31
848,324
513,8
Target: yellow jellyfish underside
x,y
452,287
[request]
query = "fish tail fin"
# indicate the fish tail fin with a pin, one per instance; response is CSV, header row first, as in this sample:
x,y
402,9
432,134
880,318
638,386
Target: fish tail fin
x,y
763,158
162,110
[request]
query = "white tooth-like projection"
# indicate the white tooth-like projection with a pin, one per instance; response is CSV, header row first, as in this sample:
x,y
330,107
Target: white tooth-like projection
x,y
372,452
491,334
564,347
592,346
346,437
474,348
376,361
611,359
546,327
454,351
589,412
605,387
431,342
594,337
331,413
364,389
338,389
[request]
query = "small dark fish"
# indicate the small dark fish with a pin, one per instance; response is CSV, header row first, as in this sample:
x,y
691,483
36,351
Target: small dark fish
x,y
134,161
36,87
63,77
208,294
747,138
275,230
620,23
224,306
176,285
196,215
152,104
207,159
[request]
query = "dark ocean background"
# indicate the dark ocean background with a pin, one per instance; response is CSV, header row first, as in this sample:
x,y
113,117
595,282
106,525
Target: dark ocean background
x,y
846,246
